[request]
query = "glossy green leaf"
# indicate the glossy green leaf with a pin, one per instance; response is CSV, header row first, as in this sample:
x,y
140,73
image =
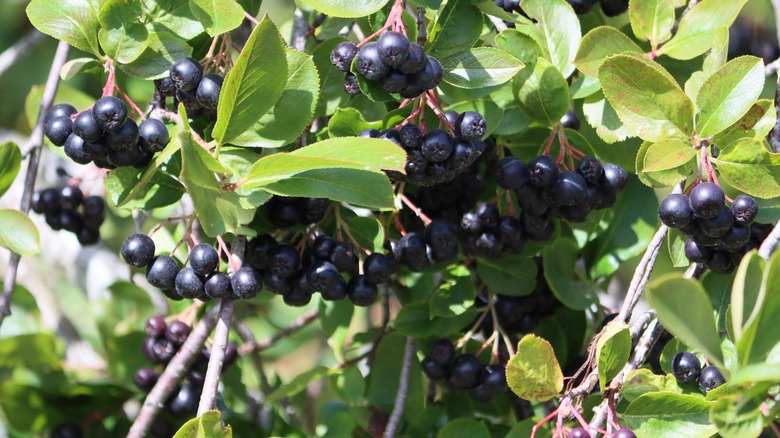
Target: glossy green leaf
x,y
456,294
357,187
130,189
457,27
738,415
728,94
652,20
665,163
123,40
414,320
646,98
600,43
348,122
544,96
155,62
10,162
684,309
695,34
208,425
463,428
300,383
332,93
217,16
346,8
643,381
18,233
293,112
758,337
519,45
366,154
558,31
748,166
533,373
368,233
72,21
675,242
718,286
756,123
745,292
172,16
612,351
80,65
602,117
480,67
668,414
559,270
254,84
510,275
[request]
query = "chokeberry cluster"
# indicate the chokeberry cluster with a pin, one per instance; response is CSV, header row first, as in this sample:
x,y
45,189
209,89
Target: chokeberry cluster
x,y
464,372
104,134
718,236
435,156
543,192
686,368
611,8
68,209
447,201
202,279
399,65
490,234
187,84
286,212
163,341
437,243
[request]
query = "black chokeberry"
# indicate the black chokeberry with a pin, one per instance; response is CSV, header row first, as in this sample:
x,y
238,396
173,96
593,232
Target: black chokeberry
x,y
147,349
735,238
393,48
314,209
415,59
71,221
392,135
488,214
246,282
284,260
207,93
542,171
185,403
218,286
745,210
85,126
94,206
162,271
411,136
441,236
204,259
145,378
342,55
494,379
570,119
276,284
613,8
686,367
58,130
186,74
88,236
442,351
322,275
66,430
463,155
344,257
707,200
153,135
351,85
432,369
110,113
720,262
71,197
124,138
465,371
361,291
189,284
624,433
369,62
430,76
710,378
74,149
125,157
675,211
155,327
138,250
300,293
511,173
437,145
377,268
176,332
695,252
579,432
615,178
470,126
338,291
166,86
394,82
569,188
718,225
412,248
97,151
260,249
59,110
591,169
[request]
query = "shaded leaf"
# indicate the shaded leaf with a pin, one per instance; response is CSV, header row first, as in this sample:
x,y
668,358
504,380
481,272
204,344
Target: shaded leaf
x,y
10,162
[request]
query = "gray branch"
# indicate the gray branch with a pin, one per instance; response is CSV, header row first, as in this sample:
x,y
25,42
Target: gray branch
x,y
22,47
403,389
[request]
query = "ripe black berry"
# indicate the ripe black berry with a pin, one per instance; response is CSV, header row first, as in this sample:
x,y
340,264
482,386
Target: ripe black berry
x,y
59,110
246,282
85,126
511,173
155,327
720,262
152,135
494,379
361,291
615,178
369,63
377,268
392,135
570,120
411,136
570,188
71,197
177,332
624,433
301,292
465,371
430,76
260,251
707,200
736,237
74,149
123,138
344,257
218,286
591,169
66,430
542,171
189,284
393,48
433,370
442,351
710,378
675,211
745,210
342,55
162,271
470,126
441,236
284,260
686,367
393,82
322,275
110,113
138,250
696,253
207,93
58,130
337,291
614,8
437,146
579,432
415,60
145,378
204,259
719,225
277,285
166,86
96,151
412,248
185,404
351,85
186,74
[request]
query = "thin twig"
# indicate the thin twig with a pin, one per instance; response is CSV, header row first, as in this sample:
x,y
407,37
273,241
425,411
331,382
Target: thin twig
x,y
173,373
403,389
770,243
687,9
22,47
300,31
774,133
211,383
299,323
498,23
35,145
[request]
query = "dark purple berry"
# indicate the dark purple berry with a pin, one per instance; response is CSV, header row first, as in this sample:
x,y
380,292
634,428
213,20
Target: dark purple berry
x,y
361,291
745,210
393,48
707,200
470,126
204,259
138,250
246,282
342,55
58,130
186,74
686,367
110,113
207,93
177,332
161,272
85,126
153,135
710,378
675,211
155,327
369,62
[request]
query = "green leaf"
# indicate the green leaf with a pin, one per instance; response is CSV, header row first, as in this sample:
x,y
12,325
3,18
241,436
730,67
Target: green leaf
x,y
602,117
675,242
533,373
10,162
18,233
695,34
510,275
346,8
155,62
748,166
665,163
414,320
519,45
357,187
646,98
332,93
728,94
124,311
457,28
759,337
368,233
745,292
718,286
480,67
366,154
652,20
348,122
492,113
37,351
300,383
217,16
558,31
208,425
668,414
756,123
612,351
463,428
600,43
559,261
292,113
643,381
123,40
80,65
738,415
544,96
172,16
456,294
72,21
684,309
254,84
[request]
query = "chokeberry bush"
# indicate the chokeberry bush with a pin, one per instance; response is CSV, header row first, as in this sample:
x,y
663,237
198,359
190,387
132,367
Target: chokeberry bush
x,y
421,218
